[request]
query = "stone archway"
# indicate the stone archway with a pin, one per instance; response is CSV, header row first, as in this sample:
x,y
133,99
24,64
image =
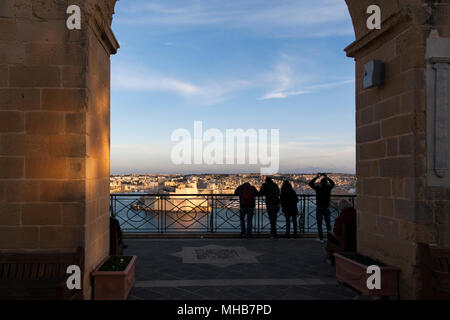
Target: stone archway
x,y
54,130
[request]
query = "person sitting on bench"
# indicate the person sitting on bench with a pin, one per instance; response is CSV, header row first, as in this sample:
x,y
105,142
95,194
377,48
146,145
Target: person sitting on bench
x,y
343,237
116,244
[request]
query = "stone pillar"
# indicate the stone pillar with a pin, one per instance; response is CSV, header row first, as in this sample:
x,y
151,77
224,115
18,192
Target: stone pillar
x,y
54,128
438,133
399,203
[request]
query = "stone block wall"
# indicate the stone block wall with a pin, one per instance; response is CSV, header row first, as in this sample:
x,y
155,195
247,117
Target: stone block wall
x,y
98,152
42,148
396,206
54,129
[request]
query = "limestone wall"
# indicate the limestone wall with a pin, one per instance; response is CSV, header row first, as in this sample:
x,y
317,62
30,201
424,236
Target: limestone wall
x,y
396,205
54,128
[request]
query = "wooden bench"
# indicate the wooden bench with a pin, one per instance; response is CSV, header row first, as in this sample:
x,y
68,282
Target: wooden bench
x,y
435,271
34,276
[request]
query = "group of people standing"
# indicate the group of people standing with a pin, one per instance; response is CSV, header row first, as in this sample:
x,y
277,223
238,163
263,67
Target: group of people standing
x,y
285,199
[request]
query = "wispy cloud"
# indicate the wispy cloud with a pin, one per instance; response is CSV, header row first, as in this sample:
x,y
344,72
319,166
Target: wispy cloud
x,y
280,18
291,76
305,90
294,76
131,79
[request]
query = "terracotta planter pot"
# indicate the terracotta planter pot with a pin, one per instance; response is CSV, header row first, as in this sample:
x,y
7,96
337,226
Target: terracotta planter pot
x,y
113,285
355,275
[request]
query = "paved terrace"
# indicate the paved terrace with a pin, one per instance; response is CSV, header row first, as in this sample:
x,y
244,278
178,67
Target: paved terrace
x,y
236,269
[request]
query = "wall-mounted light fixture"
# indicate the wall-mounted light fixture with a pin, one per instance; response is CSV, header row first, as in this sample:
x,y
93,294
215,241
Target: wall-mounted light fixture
x,y
373,74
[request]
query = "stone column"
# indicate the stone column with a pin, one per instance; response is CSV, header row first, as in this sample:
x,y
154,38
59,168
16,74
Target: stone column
x,y
438,133
398,206
54,128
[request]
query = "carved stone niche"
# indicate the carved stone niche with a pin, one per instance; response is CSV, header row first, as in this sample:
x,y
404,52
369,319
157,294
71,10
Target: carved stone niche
x,y
438,110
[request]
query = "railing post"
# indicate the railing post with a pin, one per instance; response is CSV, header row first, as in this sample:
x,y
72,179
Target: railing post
x,y
164,213
258,215
305,226
111,204
261,215
211,216
160,215
161,212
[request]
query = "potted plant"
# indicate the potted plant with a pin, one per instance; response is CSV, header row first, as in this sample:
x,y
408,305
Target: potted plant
x,y
351,268
114,278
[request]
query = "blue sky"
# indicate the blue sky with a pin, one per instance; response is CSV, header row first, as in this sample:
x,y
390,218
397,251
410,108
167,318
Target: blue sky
x,y
233,64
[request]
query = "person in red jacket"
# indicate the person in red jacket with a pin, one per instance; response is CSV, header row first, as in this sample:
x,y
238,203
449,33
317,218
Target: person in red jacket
x,y
346,218
247,200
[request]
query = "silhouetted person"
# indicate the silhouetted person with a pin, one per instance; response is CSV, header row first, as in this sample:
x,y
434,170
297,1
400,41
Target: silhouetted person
x,y
347,219
323,193
288,201
271,191
116,243
247,194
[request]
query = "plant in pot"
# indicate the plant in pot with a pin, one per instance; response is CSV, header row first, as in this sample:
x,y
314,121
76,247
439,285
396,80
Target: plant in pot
x,y
114,278
351,268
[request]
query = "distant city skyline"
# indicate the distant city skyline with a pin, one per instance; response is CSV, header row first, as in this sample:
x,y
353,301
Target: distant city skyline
x,y
215,183
233,65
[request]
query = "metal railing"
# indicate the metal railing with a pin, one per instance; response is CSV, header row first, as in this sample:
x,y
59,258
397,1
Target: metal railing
x,y
206,213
